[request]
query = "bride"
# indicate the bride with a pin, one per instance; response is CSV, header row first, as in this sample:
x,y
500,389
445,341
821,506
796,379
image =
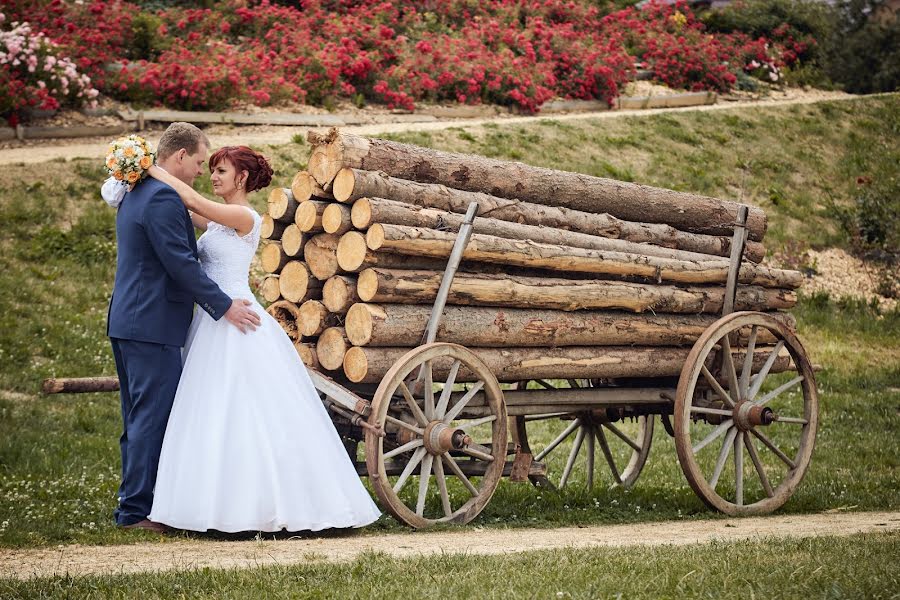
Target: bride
x,y
249,445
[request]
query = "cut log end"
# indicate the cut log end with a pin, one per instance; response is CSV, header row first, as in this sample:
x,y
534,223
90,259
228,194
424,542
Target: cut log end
x,y
294,281
359,323
272,258
308,217
311,320
269,289
303,186
307,354
292,241
375,236
361,214
367,285
287,315
339,294
355,364
343,185
321,255
281,204
270,229
331,348
336,219
351,251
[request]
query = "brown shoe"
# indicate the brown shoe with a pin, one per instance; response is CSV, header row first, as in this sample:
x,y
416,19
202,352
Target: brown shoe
x,y
148,525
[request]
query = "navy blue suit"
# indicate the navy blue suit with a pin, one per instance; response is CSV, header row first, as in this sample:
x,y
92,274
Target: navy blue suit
x,y
158,280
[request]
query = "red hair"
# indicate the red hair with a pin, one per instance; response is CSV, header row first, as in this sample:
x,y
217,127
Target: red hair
x,y
259,172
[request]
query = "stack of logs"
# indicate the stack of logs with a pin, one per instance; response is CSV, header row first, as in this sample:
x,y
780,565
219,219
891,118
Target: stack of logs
x,y
566,275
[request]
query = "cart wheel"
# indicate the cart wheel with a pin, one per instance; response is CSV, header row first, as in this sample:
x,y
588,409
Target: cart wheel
x,y
624,444
434,431
714,420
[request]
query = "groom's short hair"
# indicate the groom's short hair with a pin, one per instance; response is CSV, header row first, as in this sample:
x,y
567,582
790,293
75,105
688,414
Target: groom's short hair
x,y
180,135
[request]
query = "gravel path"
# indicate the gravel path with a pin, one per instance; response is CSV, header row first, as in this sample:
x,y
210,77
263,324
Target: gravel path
x,y
78,560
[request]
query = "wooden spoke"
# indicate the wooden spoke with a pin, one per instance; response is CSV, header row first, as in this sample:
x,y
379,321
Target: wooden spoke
x,y
730,372
478,451
566,433
543,417
723,457
764,372
590,457
477,422
442,487
576,448
459,406
424,480
634,445
747,368
413,405
716,386
739,468
711,411
751,450
778,391
404,448
545,384
604,447
713,435
775,450
794,420
447,391
410,467
404,425
574,384
448,460
429,390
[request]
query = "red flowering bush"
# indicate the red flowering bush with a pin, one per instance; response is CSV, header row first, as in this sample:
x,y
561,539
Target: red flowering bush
x,y
519,53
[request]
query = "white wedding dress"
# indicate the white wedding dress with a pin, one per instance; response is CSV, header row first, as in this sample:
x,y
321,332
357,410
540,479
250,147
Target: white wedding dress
x,y
249,445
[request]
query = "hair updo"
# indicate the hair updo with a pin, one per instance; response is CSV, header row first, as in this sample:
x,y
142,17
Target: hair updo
x,y
259,172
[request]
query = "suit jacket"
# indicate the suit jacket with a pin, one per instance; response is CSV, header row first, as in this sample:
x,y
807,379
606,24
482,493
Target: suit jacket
x,y
158,276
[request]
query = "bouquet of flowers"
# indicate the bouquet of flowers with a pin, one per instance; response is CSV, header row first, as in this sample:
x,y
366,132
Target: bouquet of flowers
x,y
127,162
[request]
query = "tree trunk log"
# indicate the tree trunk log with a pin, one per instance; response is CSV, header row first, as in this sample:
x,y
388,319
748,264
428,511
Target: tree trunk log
x,y
417,241
353,256
307,353
314,318
297,284
293,240
272,258
287,314
309,215
420,287
331,348
339,294
282,205
364,364
336,219
356,184
479,327
305,187
320,253
269,289
630,201
270,229
79,385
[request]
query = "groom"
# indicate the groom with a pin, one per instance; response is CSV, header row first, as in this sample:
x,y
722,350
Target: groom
x,y
158,280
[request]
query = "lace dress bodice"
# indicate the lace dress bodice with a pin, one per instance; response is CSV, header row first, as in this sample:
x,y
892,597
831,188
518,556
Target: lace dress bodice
x,y
225,256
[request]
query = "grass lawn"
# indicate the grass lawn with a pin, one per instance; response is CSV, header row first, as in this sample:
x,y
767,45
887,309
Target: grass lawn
x,y
851,567
59,455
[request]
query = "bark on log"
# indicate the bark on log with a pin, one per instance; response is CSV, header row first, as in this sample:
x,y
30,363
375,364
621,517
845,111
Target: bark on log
x,y
339,294
309,215
336,219
478,327
356,184
270,229
293,240
354,256
320,253
331,348
297,284
418,241
269,289
314,318
630,201
287,314
392,286
79,385
272,258
282,205
363,364
307,353
304,187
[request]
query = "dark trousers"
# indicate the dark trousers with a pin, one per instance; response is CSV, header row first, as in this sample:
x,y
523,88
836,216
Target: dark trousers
x,y
148,378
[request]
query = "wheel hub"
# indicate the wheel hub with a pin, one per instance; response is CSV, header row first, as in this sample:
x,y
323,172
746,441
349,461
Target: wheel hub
x,y
441,438
748,415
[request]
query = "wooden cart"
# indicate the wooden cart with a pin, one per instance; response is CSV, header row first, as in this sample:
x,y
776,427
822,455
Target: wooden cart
x,y
440,419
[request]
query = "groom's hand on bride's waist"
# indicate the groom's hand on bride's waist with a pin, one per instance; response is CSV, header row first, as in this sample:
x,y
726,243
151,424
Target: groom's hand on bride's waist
x,y
242,317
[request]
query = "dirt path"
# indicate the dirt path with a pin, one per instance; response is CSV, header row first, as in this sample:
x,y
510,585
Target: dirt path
x,y
42,151
194,554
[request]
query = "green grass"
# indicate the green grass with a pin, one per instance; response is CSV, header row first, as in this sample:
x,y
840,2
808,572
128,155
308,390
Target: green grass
x,y
851,567
59,455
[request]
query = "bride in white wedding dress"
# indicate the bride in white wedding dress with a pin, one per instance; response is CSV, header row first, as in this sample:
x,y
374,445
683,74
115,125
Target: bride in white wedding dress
x,y
249,445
